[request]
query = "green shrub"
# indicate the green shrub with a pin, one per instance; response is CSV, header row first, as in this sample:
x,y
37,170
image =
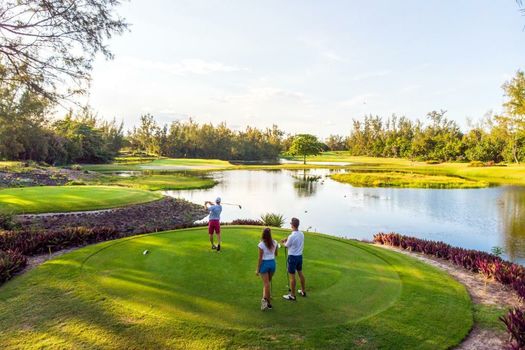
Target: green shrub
x,y
476,164
271,219
433,161
7,221
76,183
10,263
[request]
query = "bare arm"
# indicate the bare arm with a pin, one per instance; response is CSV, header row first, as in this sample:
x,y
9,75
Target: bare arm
x,y
259,262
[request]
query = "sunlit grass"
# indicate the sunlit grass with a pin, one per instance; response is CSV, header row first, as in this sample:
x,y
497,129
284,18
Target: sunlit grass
x,y
158,182
46,199
183,294
506,174
405,179
9,164
509,174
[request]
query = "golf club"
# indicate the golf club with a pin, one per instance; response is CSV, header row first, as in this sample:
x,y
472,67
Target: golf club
x,y
287,277
237,205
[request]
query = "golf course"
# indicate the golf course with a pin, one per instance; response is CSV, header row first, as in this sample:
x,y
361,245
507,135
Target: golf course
x,y
52,199
182,294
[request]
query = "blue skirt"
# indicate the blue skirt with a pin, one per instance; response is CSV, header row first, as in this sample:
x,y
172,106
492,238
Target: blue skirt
x,y
267,266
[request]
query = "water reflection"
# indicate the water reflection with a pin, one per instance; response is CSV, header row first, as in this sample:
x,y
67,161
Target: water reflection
x,y
306,184
512,209
471,218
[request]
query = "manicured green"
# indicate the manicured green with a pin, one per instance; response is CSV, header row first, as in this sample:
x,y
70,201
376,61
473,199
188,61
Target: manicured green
x,y
184,295
403,179
165,182
47,199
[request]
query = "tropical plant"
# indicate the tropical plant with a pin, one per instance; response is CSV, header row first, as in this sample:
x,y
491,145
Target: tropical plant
x,y
7,220
11,262
271,219
490,265
247,222
498,251
515,322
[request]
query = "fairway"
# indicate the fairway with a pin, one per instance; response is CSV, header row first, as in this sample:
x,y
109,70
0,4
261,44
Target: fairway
x,y
52,199
166,182
184,295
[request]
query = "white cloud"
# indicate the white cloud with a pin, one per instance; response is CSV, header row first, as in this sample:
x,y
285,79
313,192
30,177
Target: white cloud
x,y
182,67
263,94
373,74
332,56
410,88
355,101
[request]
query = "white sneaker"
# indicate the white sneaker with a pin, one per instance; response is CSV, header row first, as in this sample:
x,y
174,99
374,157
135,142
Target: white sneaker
x,y
301,293
264,304
289,297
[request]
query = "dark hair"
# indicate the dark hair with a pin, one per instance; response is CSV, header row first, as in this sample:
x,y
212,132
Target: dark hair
x,y
295,222
267,238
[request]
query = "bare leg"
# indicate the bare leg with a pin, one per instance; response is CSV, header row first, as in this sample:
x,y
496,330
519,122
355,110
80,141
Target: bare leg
x,y
266,289
219,238
211,239
292,283
303,282
270,280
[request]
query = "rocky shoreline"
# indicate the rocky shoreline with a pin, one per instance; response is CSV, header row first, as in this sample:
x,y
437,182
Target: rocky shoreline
x,y
164,214
42,176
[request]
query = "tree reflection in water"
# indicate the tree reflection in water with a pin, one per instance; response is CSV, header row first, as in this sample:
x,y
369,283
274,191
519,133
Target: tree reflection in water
x,y
512,207
305,184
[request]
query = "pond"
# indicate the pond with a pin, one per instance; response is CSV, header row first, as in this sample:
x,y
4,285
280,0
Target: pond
x,y
471,218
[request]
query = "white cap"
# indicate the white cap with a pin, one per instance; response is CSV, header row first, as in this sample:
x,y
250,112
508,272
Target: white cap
x,y
218,200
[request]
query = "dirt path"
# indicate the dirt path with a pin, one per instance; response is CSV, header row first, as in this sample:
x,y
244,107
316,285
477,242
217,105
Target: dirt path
x,y
482,292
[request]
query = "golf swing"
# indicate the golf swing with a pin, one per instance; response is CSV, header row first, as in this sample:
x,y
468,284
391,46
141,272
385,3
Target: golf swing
x,y
235,205
214,222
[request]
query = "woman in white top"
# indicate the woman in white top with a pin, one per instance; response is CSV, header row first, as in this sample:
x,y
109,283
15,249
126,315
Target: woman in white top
x,y
266,265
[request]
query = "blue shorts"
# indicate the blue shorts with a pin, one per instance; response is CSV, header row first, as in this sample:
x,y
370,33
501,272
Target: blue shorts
x,y
267,266
295,262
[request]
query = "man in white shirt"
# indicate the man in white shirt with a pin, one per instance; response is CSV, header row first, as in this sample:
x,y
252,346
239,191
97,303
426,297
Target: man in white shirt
x,y
295,245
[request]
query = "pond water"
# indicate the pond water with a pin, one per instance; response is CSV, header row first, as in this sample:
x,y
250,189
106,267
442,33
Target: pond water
x,y
471,218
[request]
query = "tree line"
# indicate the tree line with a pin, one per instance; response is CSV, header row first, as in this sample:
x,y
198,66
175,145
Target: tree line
x,y
188,139
28,132
495,138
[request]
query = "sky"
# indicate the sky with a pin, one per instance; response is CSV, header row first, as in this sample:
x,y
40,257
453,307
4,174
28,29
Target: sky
x,y
309,66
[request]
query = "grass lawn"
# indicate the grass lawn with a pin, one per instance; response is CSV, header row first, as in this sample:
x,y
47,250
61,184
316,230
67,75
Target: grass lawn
x,y
402,179
161,165
510,174
184,295
7,165
47,199
165,182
